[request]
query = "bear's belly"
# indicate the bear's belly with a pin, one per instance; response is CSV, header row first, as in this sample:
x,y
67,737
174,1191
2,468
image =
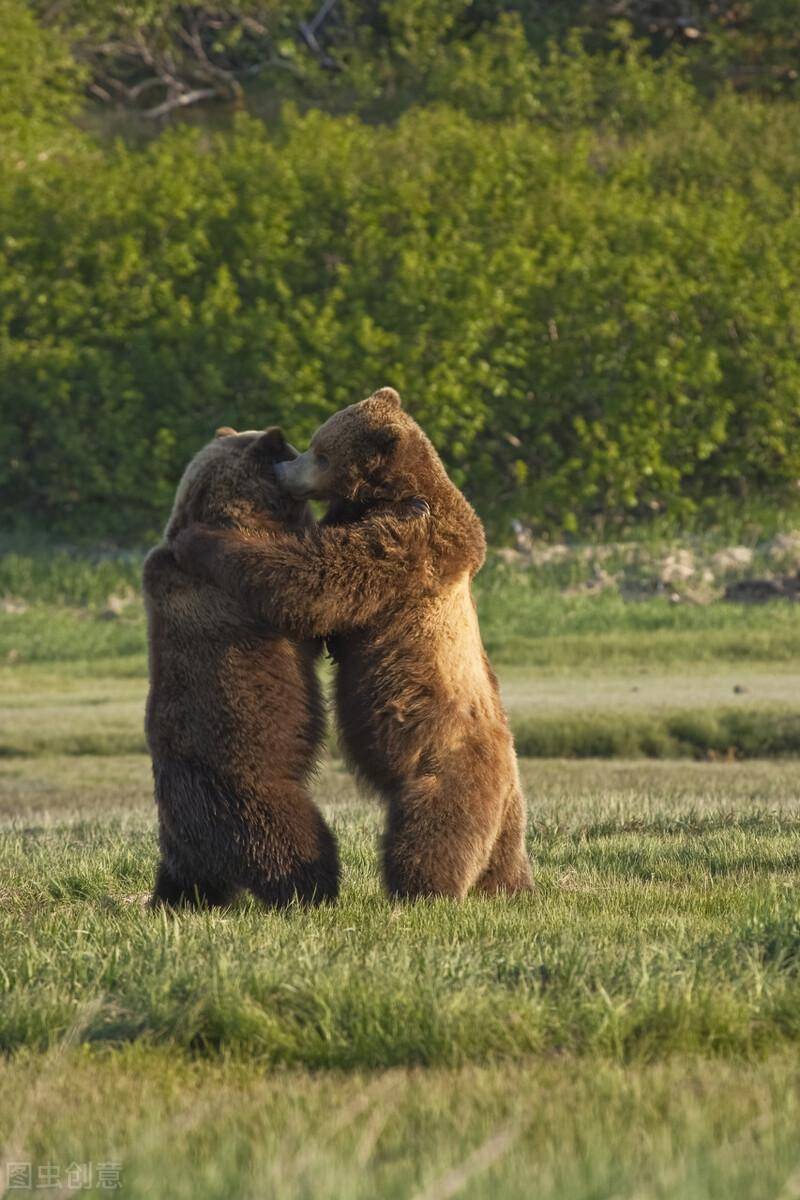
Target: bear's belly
x,y
416,694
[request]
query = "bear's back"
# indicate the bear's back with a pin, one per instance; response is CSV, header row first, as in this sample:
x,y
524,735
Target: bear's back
x,y
224,690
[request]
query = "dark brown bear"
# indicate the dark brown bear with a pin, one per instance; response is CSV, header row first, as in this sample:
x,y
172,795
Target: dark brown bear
x,y
234,715
418,703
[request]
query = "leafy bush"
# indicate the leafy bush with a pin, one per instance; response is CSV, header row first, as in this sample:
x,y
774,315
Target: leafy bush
x,y
38,81
159,57
588,297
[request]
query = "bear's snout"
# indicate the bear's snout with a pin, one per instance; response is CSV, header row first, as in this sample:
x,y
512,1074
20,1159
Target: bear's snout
x,y
300,478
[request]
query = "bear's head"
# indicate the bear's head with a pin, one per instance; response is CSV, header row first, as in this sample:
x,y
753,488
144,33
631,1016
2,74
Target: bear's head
x,y
231,482
368,452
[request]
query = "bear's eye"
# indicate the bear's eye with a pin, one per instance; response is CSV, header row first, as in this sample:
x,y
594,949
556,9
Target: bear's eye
x,y
321,460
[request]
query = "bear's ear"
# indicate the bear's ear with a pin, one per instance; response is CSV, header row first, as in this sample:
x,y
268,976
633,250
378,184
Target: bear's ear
x,y
225,431
388,397
273,446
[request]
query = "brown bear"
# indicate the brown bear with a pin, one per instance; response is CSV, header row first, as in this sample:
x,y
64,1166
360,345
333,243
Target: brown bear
x,y
235,714
418,703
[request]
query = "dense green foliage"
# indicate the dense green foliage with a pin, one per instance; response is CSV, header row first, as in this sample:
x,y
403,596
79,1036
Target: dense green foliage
x,y
579,267
379,58
38,80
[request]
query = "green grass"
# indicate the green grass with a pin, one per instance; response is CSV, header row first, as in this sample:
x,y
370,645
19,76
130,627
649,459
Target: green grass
x,y
658,926
74,676
50,708
79,606
545,630
50,634
557,1129
630,1029
703,733
60,576
635,650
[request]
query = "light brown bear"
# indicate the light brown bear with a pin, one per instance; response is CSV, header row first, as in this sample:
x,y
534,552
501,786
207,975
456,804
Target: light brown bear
x,y
418,703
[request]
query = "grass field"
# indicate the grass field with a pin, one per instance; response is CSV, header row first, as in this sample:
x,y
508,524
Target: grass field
x,y
632,1029
584,675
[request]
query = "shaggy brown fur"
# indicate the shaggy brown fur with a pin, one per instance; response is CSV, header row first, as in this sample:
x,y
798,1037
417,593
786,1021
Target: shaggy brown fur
x,y
418,703
234,715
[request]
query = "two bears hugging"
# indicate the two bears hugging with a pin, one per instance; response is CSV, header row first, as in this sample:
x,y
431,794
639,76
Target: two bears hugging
x,y
239,596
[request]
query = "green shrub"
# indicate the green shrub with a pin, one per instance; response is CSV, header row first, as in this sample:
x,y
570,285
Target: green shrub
x,y
38,80
584,284
381,58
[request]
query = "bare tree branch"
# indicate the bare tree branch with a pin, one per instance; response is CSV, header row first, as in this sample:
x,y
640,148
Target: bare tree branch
x,y
181,101
194,54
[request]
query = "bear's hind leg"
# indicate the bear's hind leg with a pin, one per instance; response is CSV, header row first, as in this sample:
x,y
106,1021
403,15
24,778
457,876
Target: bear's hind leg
x,y
192,870
438,839
175,887
294,856
509,870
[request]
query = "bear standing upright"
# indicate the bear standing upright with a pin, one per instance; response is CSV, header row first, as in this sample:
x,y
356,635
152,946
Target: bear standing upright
x,y
418,703
234,714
